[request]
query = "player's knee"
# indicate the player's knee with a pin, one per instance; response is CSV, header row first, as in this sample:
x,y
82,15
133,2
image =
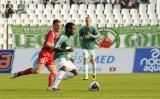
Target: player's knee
x,y
35,71
64,68
75,72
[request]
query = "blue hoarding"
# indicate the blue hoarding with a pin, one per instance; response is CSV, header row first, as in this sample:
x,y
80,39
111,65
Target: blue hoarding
x,y
147,60
6,59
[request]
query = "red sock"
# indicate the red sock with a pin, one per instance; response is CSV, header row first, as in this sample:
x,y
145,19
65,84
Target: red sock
x,y
25,72
51,79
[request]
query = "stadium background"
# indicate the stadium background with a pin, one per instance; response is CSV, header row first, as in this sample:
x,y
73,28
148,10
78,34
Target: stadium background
x,y
133,28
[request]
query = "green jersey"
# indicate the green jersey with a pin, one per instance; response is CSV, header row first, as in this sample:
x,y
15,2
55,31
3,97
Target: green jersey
x,y
62,42
88,43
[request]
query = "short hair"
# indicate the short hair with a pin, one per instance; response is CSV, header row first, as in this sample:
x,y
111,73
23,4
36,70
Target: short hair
x,y
88,17
56,21
69,25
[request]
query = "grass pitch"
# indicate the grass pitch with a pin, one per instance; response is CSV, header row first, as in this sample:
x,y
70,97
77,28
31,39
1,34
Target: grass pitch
x,y
113,86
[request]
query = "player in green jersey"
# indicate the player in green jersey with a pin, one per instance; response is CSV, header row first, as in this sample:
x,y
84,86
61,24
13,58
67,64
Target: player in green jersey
x,y
62,55
88,36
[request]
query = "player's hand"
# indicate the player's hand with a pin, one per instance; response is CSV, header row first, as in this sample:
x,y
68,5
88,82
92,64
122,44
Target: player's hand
x,y
70,49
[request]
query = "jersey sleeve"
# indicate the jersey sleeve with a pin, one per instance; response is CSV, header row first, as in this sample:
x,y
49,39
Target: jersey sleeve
x,y
95,33
50,36
80,33
59,42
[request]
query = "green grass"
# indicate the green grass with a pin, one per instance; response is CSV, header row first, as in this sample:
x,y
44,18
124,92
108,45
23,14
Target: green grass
x,y
113,86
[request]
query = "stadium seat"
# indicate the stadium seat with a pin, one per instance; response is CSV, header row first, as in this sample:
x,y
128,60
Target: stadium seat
x,y
15,16
27,21
118,16
99,12
154,21
153,1
38,11
44,22
133,11
24,16
47,11
40,6
11,21
101,16
33,16
66,6
35,22
91,7
41,16
49,6
128,22
117,6
49,16
73,12
30,11
109,16
32,6
108,7
136,22
100,7
82,12
57,7
116,11
145,22
64,11
19,21
78,21
119,22
54,12
74,7
82,7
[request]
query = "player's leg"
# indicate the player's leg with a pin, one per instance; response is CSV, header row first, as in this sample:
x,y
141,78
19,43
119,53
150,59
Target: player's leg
x,y
85,63
21,73
59,77
93,61
53,72
72,70
62,70
28,71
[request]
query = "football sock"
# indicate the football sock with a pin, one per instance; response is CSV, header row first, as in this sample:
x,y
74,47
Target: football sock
x,y
94,69
59,78
86,70
51,79
25,72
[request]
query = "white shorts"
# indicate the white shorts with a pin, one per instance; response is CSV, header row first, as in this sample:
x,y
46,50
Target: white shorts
x,y
89,53
63,62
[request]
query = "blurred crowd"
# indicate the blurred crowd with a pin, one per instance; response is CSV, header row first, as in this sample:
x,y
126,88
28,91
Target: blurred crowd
x,y
21,7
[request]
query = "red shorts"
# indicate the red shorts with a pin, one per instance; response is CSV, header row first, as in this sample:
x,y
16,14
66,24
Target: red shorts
x,y
45,58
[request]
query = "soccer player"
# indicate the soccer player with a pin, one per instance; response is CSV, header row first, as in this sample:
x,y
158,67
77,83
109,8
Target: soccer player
x,y
88,36
62,55
45,58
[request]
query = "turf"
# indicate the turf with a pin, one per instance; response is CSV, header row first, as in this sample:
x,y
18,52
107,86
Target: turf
x,y
113,86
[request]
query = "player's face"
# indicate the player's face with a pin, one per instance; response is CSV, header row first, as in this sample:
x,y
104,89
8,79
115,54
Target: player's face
x,y
88,21
73,29
57,26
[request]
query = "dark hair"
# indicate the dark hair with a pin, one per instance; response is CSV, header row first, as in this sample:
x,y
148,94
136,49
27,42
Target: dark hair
x,y
56,21
69,25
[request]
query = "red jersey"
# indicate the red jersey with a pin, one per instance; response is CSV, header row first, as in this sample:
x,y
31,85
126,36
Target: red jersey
x,y
46,54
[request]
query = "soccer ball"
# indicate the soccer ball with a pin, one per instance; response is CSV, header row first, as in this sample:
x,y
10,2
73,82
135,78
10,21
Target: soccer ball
x,y
93,86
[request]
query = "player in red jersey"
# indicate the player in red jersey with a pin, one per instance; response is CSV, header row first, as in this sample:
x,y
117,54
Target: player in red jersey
x,y
45,58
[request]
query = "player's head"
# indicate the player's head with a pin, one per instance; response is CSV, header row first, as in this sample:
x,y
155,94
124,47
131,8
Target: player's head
x,y
70,28
57,25
88,21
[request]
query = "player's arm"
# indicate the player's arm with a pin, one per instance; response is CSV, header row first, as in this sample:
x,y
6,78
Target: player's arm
x,y
49,39
58,44
95,34
81,34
